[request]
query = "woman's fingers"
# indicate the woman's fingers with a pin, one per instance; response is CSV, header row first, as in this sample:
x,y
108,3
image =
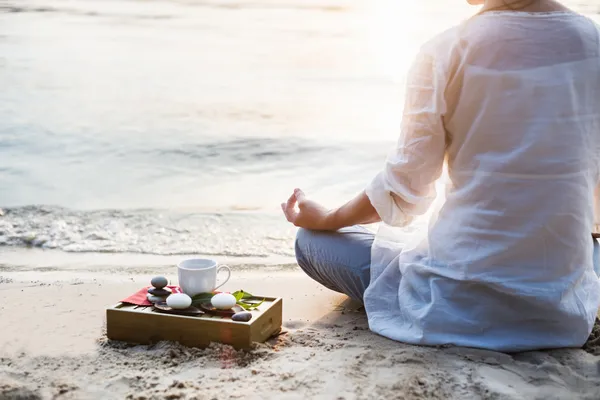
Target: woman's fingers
x,y
309,214
291,202
300,197
289,213
289,210
289,207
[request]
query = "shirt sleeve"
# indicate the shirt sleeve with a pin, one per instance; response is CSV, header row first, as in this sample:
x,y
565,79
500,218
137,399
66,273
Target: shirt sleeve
x,y
406,186
597,209
596,226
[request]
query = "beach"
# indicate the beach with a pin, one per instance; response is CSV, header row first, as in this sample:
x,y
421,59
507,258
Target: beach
x,y
53,346
135,134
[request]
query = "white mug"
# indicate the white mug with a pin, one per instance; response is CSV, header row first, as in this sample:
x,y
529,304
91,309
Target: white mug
x,y
199,275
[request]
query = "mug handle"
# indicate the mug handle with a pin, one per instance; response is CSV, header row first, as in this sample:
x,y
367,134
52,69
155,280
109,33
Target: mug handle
x,y
225,267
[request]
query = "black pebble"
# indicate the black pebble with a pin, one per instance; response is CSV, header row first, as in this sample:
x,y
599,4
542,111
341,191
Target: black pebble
x,y
159,292
243,316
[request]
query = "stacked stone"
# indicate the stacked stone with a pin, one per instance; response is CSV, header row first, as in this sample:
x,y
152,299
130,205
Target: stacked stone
x,y
159,292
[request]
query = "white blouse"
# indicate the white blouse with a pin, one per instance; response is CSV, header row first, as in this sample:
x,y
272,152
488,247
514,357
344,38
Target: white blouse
x,y
511,101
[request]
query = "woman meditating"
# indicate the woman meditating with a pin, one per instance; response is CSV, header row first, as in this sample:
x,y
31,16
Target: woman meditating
x,y
510,100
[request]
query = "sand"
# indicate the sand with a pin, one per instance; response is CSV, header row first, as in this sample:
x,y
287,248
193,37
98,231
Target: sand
x,y
52,346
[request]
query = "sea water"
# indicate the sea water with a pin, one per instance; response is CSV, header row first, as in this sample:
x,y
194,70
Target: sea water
x,y
179,126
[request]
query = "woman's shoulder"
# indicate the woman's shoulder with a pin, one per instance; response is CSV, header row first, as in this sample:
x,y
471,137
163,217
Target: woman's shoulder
x,y
514,26
442,41
442,49
485,30
451,39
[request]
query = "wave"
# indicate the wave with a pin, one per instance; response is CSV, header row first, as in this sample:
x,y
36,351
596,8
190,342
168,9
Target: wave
x,y
158,232
20,8
239,151
33,9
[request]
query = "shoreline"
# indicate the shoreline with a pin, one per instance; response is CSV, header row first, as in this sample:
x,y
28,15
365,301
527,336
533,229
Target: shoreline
x,y
13,257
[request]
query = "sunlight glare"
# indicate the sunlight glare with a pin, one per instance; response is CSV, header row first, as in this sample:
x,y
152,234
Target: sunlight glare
x,y
397,29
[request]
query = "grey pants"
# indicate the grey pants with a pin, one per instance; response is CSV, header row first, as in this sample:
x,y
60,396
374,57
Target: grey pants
x,y
341,260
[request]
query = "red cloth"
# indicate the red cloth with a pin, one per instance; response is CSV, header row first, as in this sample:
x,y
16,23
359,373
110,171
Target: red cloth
x,y
139,298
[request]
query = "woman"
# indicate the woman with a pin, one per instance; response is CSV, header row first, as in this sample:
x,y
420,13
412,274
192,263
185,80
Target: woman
x,y
511,100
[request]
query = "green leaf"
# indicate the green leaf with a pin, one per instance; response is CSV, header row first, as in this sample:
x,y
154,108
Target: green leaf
x,y
240,297
250,306
240,294
202,298
258,304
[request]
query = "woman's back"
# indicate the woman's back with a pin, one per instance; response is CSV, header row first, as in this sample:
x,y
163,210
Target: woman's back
x,y
525,142
508,262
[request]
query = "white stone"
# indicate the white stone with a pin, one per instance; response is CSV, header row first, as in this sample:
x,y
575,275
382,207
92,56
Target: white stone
x,y
223,301
179,301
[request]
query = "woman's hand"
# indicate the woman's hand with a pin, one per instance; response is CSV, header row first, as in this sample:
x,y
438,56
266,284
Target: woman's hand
x,y
310,214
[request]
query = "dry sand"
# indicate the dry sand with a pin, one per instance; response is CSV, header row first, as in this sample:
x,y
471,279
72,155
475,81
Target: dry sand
x,y
52,347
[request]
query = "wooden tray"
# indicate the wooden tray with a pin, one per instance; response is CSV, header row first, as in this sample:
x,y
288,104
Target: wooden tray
x,y
143,325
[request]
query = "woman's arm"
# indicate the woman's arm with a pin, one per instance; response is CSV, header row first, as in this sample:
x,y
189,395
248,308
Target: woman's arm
x,y
311,215
406,186
596,228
